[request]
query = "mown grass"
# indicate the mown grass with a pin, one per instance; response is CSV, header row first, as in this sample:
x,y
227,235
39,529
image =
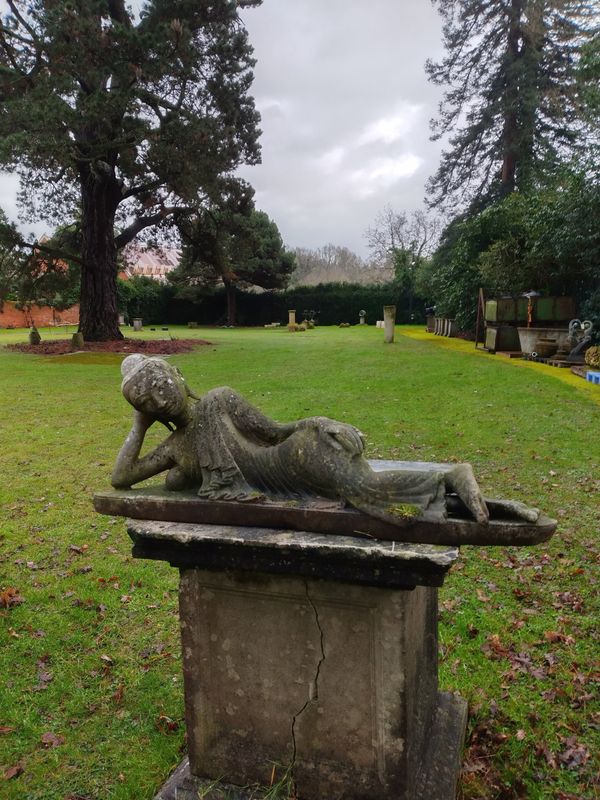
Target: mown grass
x,y
91,653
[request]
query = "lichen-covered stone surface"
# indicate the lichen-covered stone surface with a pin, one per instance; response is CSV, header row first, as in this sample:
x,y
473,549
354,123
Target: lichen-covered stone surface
x,y
298,553
225,449
317,516
334,682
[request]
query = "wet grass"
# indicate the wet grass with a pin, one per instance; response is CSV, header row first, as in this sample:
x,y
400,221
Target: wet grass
x,y
89,643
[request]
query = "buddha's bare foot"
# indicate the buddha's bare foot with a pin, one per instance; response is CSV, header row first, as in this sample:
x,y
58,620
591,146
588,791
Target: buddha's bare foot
x,y
220,488
512,508
460,479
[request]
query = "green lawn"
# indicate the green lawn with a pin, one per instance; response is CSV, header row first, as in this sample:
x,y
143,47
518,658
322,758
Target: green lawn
x,y
90,686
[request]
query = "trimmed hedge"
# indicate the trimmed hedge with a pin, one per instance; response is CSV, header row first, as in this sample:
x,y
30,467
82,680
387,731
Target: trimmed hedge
x,y
333,302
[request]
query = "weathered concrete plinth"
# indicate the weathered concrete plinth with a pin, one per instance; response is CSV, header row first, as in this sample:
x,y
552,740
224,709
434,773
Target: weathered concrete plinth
x,y
315,653
389,321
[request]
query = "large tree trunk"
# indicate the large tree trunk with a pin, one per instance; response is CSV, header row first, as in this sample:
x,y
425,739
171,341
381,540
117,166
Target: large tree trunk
x,y
98,314
510,131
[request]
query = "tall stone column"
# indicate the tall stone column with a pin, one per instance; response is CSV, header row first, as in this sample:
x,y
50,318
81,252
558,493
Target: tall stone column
x,y
389,320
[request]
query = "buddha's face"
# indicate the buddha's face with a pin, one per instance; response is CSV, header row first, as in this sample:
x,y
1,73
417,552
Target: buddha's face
x,y
154,387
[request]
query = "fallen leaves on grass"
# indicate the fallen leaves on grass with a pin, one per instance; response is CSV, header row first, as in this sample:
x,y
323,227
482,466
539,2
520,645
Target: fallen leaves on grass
x,y
542,751
76,797
118,694
6,729
74,548
50,739
574,755
14,771
483,745
166,725
10,597
522,662
555,636
44,675
569,600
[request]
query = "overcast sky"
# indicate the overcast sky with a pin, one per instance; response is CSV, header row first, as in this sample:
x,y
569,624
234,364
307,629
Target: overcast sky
x,y
345,108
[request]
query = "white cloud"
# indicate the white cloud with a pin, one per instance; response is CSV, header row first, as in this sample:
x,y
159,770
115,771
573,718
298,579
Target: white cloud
x,y
354,135
391,128
272,106
382,173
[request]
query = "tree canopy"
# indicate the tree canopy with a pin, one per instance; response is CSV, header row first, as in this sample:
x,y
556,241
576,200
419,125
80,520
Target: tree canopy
x,y
334,263
547,240
512,105
126,121
233,248
32,276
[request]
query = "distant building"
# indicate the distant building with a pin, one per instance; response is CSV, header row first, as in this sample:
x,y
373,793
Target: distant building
x,y
151,262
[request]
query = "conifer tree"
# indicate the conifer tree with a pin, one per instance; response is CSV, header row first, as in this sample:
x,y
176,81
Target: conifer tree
x,y
511,105
126,121
233,245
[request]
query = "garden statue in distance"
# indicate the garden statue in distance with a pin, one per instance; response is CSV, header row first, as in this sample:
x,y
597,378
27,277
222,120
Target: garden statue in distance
x,y
224,449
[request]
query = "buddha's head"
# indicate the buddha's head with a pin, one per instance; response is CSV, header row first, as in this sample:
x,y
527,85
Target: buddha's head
x,y
154,387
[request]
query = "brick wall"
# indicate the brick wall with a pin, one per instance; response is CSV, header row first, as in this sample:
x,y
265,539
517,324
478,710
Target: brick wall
x,y
41,316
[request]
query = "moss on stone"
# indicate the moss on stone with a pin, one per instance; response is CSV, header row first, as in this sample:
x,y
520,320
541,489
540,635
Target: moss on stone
x,y
403,510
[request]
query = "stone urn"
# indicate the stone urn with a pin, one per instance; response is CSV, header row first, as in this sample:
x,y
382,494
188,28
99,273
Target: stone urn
x,y
545,347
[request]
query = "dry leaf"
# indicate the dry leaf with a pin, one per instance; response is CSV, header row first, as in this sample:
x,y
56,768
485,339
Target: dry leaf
x,y
14,772
10,597
50,739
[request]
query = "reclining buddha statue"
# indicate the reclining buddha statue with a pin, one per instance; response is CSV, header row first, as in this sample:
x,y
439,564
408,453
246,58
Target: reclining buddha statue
x,y
225,449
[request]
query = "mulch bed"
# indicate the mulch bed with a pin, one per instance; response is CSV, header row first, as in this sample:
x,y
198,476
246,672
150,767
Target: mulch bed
x,y
61,347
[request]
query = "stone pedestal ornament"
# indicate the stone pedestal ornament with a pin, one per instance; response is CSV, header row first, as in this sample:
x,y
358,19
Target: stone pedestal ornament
x,y
77,341
308,594
389,320
292,326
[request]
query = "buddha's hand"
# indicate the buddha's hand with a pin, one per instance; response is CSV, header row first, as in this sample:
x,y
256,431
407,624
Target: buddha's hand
x,y
141,421
338,435
343,437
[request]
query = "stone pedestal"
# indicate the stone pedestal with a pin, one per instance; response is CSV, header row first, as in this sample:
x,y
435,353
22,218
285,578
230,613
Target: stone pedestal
x,y
389,320
314,653
292,325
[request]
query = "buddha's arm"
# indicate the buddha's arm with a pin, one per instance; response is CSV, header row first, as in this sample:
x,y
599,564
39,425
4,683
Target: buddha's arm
x,y
129,467
249,420
253,423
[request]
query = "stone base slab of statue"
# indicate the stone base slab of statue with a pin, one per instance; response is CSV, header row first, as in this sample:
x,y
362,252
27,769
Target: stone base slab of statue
x,y
320,516
321,659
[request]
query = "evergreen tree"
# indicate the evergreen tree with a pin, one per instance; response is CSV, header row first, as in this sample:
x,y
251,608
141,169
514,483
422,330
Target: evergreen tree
x,y
35,276
128,121
512,100
233,248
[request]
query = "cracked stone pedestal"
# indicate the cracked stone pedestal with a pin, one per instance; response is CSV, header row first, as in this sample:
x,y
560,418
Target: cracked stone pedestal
x,y
313,652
